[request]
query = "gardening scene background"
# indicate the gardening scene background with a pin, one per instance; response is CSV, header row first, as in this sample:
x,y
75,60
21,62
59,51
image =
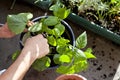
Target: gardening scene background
x,y
107,53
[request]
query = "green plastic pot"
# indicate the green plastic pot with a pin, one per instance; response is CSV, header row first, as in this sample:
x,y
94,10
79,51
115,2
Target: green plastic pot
x,y
44,4
94,28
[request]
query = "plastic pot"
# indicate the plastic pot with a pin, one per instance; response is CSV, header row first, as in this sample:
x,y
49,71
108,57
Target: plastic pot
x,y
71,77
68,35
94,28
1,25
44,4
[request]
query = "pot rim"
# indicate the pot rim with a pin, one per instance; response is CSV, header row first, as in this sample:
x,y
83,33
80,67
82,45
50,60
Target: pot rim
x,y
1,24
63,22
62,77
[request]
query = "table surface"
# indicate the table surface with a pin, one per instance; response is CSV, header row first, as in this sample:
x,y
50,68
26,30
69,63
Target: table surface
x,y
104,67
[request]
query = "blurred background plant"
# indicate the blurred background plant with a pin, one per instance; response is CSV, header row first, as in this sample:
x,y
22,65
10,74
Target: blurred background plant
x,y
102,12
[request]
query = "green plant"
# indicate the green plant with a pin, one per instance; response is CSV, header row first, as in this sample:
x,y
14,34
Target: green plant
x,y
71,59
105,13
114,8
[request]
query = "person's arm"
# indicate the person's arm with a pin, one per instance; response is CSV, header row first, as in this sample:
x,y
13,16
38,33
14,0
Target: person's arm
x,y
35,47
5,32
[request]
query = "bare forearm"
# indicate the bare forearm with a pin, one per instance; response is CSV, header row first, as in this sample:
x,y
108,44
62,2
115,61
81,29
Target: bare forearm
x,y
5,32
17,70
1,33
34,48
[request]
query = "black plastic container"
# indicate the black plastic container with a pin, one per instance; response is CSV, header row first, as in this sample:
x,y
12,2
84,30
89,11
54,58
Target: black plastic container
x,y
68,35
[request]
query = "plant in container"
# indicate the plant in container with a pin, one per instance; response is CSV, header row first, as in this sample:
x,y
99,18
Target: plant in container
x,y
69,57
100,16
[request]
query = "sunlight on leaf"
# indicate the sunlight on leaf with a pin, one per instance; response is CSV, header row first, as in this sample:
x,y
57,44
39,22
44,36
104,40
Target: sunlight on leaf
x,y
79,55
36,27
62,41
89,54
17,23
51,21
80,66
62,13
51,40
64,58
59,30
81,41
66,69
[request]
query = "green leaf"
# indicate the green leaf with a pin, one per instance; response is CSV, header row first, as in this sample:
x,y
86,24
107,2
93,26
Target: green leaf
x,y
15,55
79,55
61,49
36,27
113,1
64,58
60,10
17,23
81,41
54,7
59,30
51,21
56,59
27,16
89,54
48,30
51,40
80,66
62,41
72,67
62,13
41,64
63,69
64,50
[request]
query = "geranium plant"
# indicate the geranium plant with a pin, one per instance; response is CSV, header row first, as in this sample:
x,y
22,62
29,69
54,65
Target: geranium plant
x,y
69,58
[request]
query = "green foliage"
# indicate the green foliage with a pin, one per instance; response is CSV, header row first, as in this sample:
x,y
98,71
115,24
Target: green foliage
x,y
51,21
81,41
71,59
89,54
103,10
15,55
41,64
36,27
60,12
17,23
114,8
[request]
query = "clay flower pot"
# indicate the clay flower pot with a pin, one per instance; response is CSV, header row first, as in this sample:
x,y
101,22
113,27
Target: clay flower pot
x,y
71,77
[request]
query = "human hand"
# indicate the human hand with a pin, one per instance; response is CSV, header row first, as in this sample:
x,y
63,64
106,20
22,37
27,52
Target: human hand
x,y
5,32
37,45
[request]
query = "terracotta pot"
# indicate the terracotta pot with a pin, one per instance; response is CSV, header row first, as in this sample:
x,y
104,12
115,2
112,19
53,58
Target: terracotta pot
x,y
71,77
